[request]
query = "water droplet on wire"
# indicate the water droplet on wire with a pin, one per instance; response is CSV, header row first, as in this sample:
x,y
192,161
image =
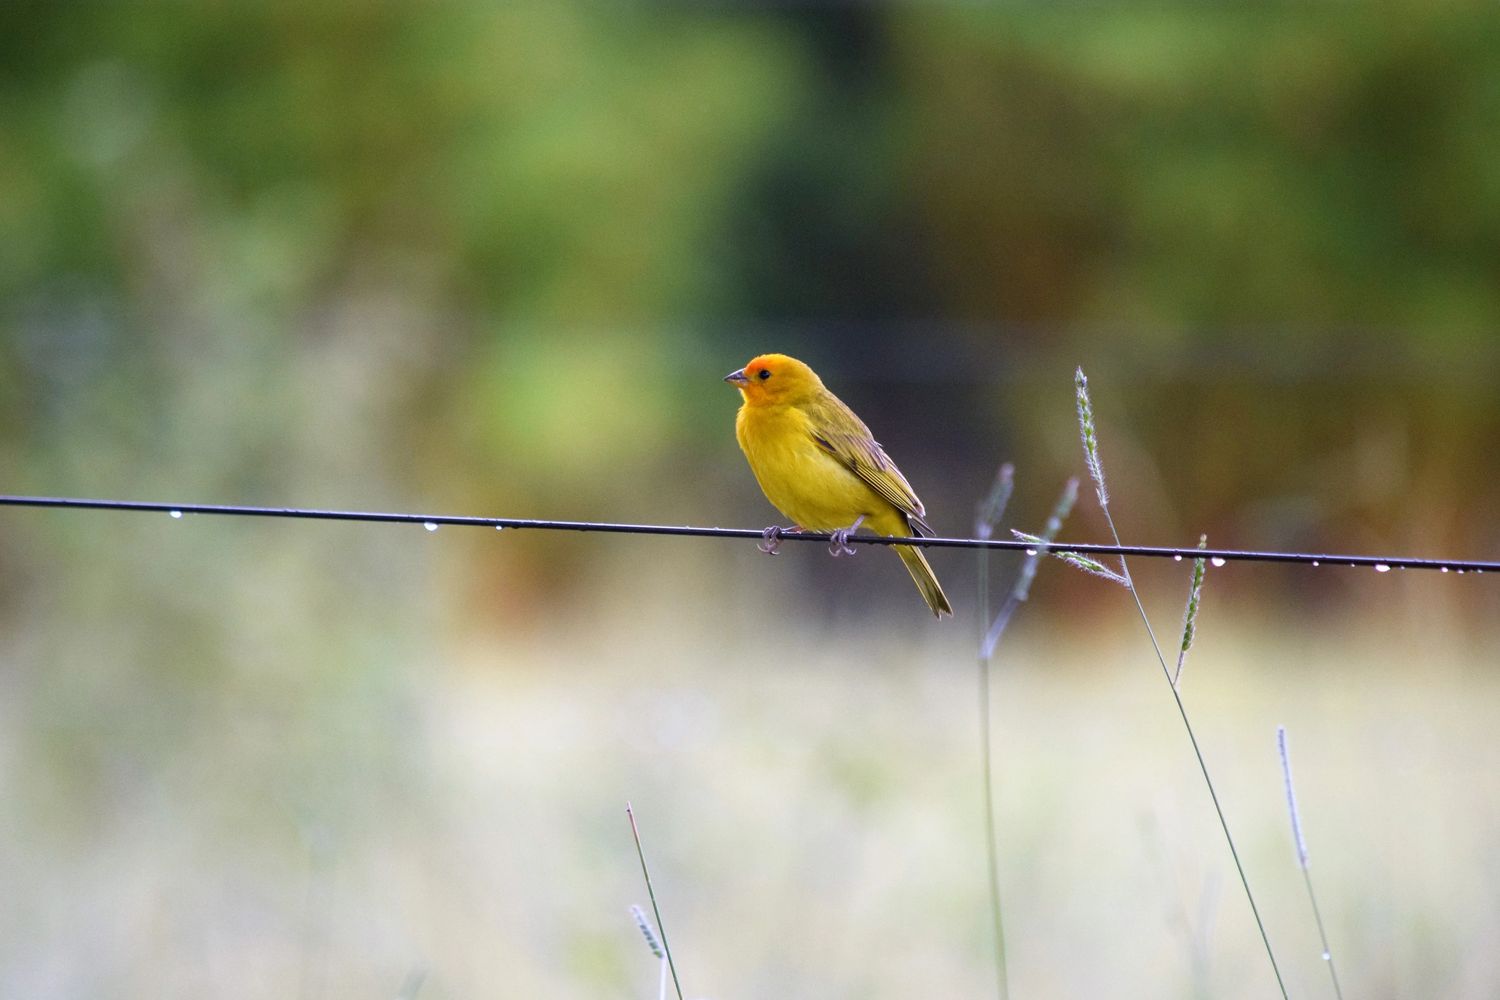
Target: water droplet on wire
x,y
430,525
1217,560
1177,557
176,514
1382,568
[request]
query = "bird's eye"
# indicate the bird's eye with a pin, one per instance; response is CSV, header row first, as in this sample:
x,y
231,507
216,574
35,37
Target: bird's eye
x,y
764,374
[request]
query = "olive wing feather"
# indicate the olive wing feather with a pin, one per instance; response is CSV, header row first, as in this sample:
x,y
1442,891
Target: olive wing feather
x,y
844,436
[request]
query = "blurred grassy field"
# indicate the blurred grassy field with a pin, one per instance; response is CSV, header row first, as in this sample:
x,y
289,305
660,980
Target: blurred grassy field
x,y
320,822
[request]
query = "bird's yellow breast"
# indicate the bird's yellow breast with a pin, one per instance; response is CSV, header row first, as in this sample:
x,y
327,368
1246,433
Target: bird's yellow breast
x,y
803,480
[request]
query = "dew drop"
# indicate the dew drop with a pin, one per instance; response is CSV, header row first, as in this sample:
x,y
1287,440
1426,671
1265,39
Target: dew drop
x,y
1177,557
1316,563
429,525
1443,570
1460,572
177,514
1382,568
1217,560
1327,957
499,527
1031,552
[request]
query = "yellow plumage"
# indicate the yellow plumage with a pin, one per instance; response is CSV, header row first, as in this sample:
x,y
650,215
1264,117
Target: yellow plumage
x,y
819,465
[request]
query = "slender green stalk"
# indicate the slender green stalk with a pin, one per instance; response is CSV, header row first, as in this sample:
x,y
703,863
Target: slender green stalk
x,y
990,632
1312,897
646,874
991,850
989,514
1202,765
1096,470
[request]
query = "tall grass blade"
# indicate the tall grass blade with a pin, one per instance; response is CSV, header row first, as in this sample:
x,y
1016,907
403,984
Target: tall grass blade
x,y
990,632
987,516
1096,470
1301,845
650,891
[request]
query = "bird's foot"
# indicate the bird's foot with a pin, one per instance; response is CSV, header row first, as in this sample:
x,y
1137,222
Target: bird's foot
x,y
840,546
770,539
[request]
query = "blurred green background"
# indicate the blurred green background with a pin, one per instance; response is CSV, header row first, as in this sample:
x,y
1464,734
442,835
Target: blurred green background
x,y
465,257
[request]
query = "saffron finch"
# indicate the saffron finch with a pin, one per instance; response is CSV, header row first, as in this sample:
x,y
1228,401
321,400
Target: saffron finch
x,y
819,465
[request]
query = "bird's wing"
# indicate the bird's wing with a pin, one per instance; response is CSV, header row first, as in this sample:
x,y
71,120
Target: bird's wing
x,y
844,436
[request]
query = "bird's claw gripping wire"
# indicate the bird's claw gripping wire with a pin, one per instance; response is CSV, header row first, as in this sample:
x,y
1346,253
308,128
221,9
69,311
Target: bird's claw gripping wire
x,y
840,546
770,539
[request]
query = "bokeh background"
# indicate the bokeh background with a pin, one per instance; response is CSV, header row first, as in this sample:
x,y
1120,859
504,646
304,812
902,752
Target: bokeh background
x,y
467,257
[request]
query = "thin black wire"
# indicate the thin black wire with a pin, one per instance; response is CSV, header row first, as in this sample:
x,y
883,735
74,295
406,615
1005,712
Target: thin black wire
x,y
693,531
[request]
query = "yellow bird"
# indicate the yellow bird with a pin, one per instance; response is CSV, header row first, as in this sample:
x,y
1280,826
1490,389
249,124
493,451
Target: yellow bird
x,y
819,465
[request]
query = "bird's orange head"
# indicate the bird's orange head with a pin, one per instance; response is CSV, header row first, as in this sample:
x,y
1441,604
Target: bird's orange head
x,y
775,378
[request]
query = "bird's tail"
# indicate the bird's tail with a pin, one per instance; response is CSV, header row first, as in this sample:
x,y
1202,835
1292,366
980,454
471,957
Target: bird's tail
x,y
921,572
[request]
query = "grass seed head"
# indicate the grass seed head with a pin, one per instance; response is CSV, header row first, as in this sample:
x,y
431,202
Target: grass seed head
x,y
1291,797
1190,614
1073,559
992,507
1090,438
647,931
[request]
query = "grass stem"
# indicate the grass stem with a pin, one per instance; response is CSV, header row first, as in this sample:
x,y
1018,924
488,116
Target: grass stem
x,y
1096,471
646,874
991,848
990,512
1301,845
1202,765
990,631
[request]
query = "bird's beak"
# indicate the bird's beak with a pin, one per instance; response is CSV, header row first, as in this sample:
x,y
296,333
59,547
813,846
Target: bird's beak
x,y
737,378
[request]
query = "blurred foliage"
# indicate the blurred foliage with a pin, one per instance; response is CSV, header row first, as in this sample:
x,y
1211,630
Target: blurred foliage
x,y
491,256
1268,175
